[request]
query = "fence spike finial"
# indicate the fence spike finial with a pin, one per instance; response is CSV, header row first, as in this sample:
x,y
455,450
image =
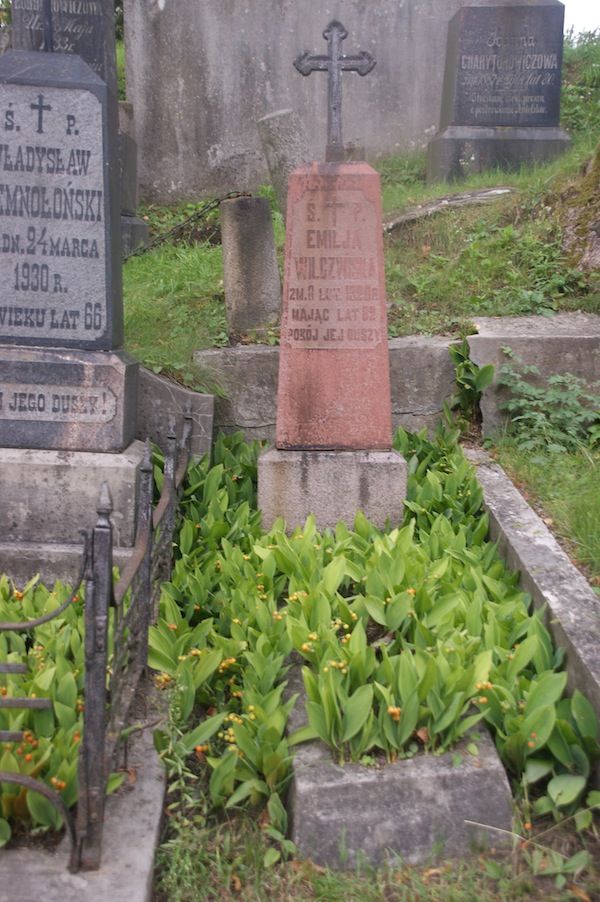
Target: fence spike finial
x,y
104,506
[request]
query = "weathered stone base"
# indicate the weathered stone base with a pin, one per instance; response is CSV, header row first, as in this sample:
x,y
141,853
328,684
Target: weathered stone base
x,y
47,497
332,485
52,560
554,583
416,809
66,399
162,401
250,273
134,234
421,378
460,150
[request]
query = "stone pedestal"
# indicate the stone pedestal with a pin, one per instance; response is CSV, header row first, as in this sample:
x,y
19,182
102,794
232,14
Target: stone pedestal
x,y
461,150
250,272
53,495
334,425
332,485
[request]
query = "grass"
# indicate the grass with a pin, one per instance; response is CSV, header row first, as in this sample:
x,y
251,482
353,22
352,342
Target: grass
x,y
567,487
441,271
120,60
175,306
225,860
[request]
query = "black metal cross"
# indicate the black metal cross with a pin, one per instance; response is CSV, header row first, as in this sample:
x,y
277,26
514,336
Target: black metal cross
x,y
334,63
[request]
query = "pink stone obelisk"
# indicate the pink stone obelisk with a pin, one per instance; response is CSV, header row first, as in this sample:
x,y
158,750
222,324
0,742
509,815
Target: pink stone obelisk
x,y
334,388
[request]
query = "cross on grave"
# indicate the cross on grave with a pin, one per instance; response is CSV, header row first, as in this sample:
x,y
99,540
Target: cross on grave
x,y
40,106
334,63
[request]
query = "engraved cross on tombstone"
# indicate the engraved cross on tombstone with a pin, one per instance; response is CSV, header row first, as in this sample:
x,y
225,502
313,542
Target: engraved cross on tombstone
x,y
334,64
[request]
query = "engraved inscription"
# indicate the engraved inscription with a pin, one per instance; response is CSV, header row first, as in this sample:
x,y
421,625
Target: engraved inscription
x,y
333,279
57,403
52,215
508,67
77,28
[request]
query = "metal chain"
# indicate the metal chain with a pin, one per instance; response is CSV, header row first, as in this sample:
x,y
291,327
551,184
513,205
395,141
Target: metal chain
x,y
204,210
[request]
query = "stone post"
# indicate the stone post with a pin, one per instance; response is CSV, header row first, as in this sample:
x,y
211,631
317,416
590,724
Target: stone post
x,y
250,273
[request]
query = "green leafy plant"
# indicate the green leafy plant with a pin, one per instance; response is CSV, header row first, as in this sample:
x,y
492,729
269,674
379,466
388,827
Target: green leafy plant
x,y
54,656
561,415
471,380
409,637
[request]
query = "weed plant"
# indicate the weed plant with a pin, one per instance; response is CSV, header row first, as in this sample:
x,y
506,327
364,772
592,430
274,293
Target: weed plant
x,y
224,860
580,100
562,414
551,445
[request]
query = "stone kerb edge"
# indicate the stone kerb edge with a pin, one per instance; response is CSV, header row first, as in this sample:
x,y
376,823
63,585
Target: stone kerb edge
x,y
547,574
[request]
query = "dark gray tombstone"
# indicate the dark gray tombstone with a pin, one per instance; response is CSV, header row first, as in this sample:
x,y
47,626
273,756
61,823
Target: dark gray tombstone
x,y
85,28
60,271
501,98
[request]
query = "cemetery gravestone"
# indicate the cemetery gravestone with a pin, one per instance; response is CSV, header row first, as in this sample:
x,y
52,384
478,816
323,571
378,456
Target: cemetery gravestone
x,y
66,390
86,28
250,272
285,147
501,98
333,432
60,275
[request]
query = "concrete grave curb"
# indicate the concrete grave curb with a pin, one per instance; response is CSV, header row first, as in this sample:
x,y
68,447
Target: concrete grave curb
x,y
416,809
421,379
131,837
547,574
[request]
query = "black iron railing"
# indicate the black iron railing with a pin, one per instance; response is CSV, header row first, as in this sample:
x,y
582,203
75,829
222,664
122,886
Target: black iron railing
x,y
111,675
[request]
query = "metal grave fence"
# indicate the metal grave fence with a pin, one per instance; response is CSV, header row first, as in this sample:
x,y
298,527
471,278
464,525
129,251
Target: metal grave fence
x,y
113,664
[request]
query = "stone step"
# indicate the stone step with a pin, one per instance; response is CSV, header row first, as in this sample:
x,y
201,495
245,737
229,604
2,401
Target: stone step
x,y
421,378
